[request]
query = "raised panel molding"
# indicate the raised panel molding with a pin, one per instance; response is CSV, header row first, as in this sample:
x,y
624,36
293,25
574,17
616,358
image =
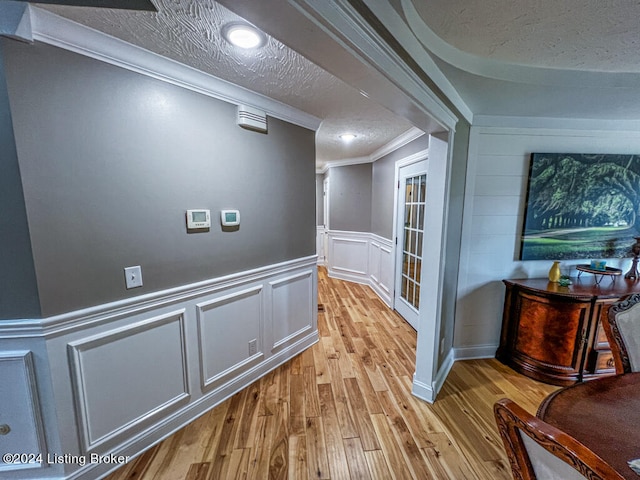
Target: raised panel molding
x,y
293,312
363,258
20,410
349,254
240,317
149,358
320,234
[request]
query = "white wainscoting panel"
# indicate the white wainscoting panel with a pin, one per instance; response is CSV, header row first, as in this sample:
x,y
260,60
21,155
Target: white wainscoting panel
x,y
294,309
320,243
226,326
127,374
349,254
122,385
363,258
381,268
20,410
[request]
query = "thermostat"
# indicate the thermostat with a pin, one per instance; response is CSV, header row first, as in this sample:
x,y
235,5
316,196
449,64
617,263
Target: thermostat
x,y
230,218
198,219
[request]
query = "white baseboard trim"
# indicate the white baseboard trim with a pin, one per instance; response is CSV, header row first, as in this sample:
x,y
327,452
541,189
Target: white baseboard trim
x,y
475,352
423,391
443,372
428,393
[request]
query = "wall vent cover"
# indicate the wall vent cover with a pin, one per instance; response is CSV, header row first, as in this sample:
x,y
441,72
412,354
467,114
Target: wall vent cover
x,y
252,119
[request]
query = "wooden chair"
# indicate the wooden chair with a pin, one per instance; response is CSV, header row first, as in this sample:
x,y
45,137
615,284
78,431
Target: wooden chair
x,y
537,450
622,326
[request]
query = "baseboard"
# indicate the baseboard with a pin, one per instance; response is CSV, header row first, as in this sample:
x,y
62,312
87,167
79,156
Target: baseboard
x,y
475,352
443,372
423,391
384,295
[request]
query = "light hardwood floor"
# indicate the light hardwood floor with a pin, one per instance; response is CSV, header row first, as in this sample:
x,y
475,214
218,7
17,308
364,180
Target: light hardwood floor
x,y
343,410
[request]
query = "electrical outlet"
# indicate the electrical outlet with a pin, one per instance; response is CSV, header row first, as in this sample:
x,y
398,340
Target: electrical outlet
x,y
133,277
253,347
441,345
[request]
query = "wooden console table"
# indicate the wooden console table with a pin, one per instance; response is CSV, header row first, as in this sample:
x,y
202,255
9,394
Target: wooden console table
x,y
553,333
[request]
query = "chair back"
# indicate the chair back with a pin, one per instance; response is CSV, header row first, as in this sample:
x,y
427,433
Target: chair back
x,y
537,450
622,326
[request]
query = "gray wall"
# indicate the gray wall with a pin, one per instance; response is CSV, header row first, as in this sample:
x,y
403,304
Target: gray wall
x,y
110,161
383,189
18,287
350,198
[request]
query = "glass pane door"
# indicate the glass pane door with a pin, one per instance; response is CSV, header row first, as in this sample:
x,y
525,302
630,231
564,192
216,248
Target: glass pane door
x,y
414,205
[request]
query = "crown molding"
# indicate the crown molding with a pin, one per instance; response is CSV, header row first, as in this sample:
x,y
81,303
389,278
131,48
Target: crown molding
x,y
398,142
64,33
600,124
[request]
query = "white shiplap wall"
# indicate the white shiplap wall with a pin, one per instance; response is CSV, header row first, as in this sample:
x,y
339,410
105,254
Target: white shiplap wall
x,y
494,206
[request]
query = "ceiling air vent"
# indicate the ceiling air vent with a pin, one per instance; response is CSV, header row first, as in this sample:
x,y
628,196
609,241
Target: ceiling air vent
x,y
252,119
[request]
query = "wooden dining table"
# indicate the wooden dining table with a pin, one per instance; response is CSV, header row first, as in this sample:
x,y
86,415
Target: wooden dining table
x,y
602,414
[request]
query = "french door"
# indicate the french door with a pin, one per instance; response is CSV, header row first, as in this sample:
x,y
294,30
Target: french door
x,y
412,192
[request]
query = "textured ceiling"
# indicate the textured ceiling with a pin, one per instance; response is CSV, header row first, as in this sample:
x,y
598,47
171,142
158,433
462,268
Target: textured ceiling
x,y
595,35
188,31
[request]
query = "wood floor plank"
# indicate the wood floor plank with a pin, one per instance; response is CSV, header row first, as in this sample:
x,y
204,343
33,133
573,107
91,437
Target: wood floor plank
x,y
312,404
366,432
333,434
343,409
347,423
317,460
321,367
405,440
198,471
377,463
356,460
398,467
297,457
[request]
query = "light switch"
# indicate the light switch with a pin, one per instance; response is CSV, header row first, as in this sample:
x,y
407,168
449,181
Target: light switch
x,y
133,276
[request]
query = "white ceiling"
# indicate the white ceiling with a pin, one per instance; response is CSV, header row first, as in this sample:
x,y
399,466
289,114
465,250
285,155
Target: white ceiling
x,y
188,31
544,58
597,35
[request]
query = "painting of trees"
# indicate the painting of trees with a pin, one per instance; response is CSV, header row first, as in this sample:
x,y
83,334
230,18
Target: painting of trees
x,y
581,206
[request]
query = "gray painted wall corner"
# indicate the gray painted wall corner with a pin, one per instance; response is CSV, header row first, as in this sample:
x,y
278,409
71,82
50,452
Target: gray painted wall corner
x,y
18,286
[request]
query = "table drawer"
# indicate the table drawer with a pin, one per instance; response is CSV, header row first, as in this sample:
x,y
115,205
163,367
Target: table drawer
x,y
601,362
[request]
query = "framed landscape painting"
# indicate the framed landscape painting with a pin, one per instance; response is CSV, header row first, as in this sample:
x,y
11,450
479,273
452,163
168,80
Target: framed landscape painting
x,y
581,206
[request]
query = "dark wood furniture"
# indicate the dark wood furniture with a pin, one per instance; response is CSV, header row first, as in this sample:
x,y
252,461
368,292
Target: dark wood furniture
x,y
554,334
514,423
603,415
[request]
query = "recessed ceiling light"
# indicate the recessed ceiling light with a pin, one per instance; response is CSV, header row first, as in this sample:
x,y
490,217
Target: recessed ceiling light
x,y
243,35
347,137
